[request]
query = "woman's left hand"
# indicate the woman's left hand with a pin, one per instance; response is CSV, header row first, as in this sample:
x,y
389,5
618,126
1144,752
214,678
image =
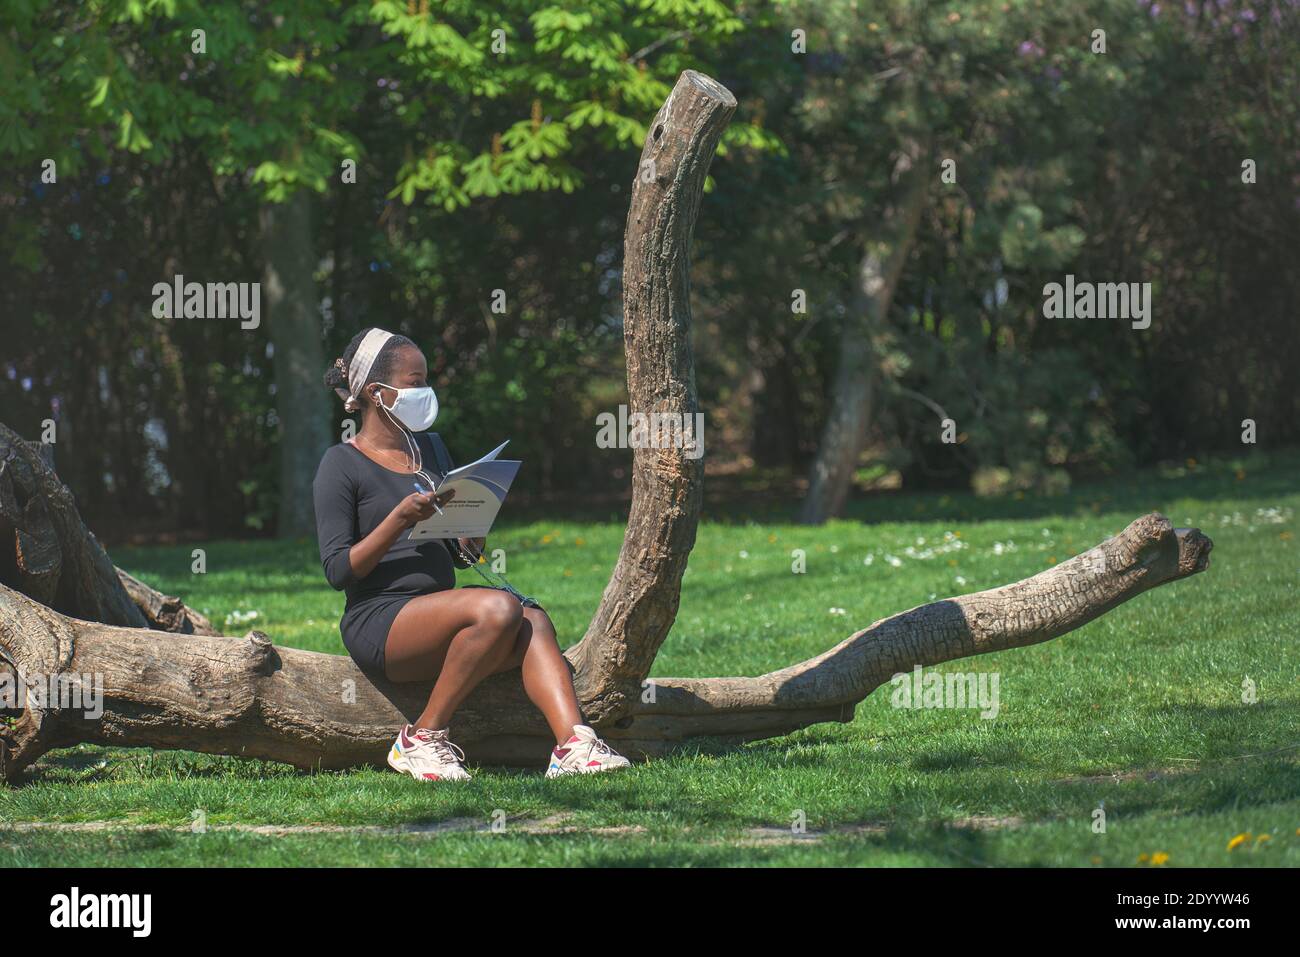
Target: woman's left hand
x,y
472,547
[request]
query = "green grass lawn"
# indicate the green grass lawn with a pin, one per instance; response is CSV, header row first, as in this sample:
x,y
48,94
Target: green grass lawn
x,y
1140,712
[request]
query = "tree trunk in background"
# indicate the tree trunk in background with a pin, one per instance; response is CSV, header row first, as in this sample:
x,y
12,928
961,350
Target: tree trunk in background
x,y
301,402
855,379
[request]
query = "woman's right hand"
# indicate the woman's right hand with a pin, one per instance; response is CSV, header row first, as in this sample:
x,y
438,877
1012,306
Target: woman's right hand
x,y
418,506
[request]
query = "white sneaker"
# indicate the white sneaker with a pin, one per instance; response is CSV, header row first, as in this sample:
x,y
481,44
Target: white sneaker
x,y
584,753
427,756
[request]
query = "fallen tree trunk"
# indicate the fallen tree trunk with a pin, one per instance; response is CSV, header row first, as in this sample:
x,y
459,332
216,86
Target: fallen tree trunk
x,y
249,698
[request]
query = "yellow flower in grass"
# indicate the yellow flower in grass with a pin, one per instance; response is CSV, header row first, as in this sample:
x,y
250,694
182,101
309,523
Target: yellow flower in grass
x,y
1241,839
1262,838
1159,858
580,541
1143,858
546,539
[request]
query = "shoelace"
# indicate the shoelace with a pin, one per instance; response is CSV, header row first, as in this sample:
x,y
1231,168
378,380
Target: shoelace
x,y
443,748
600,747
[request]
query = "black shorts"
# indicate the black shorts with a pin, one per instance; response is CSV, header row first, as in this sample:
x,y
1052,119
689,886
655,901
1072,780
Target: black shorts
x,y
365,628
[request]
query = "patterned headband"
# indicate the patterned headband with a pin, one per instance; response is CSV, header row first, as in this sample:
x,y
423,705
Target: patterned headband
x,y
359,367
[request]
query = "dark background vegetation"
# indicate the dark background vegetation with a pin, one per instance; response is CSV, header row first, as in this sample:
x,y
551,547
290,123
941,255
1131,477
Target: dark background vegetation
x,y
477,172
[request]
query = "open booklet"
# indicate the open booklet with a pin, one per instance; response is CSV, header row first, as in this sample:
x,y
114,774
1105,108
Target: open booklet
x,y
480,489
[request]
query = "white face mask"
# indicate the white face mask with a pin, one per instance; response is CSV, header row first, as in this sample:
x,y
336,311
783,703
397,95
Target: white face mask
x,y
414,408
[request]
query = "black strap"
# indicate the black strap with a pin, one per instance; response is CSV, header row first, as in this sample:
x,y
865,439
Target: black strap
x,y
441,457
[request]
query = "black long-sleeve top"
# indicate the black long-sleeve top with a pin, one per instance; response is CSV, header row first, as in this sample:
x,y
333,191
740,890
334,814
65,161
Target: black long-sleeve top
x,y
352,495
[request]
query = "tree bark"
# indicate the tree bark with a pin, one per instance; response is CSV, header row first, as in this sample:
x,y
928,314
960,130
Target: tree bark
x,y
845,434
50,556
249,698
640,601
301,401
164,612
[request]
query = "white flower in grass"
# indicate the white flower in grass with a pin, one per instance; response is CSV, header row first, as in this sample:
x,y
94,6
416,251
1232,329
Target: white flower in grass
x,y
869,559
837,611
960,580
893,561
744,554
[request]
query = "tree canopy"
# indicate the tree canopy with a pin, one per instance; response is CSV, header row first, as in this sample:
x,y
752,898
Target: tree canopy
x,y
468,166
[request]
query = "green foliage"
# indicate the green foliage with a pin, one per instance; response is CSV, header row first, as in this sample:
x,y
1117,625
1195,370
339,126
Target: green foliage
x,y
481,168
305,68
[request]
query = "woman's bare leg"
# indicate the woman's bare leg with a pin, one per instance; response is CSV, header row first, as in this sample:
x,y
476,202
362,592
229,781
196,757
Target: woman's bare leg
x,y
547,680
457,636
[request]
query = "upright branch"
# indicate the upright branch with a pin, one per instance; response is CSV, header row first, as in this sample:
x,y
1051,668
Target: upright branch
x,y
640,601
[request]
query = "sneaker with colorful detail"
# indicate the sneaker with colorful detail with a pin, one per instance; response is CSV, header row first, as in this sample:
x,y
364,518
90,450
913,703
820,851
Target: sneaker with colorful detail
x,y
427,755
584,753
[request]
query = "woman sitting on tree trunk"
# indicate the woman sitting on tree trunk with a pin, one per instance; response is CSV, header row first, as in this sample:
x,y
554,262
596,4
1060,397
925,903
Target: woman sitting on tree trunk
x,y
405,619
